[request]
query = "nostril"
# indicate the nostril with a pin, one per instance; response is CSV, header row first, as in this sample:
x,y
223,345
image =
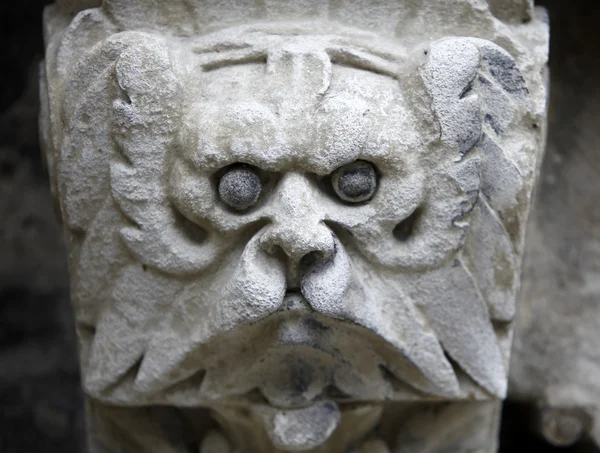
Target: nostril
x,y
311,258
315,258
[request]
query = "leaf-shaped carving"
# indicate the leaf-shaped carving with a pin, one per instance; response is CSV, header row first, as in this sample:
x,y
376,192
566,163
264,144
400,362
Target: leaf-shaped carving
x,y
459,316
124,329
472,81
82,178
490,257
478,93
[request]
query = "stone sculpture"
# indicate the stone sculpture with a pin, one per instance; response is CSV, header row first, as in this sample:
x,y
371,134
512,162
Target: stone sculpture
x,y
294,225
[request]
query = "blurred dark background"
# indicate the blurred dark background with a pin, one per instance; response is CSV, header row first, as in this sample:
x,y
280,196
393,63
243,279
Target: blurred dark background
x,y
40,399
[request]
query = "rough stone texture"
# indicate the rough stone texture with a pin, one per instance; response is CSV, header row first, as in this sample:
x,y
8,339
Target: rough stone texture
x,y
302,319
557,348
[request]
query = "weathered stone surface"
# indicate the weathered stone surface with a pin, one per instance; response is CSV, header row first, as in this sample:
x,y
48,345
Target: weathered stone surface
x,y
305,217
557,347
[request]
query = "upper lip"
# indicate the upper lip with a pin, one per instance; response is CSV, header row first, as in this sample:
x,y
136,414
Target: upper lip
x,y
295,301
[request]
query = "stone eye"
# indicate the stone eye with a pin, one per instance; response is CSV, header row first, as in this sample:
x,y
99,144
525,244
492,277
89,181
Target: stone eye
x,y
355,182
239,188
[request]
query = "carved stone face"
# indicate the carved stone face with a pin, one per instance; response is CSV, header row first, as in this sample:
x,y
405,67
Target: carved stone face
x,y
299,192
292,226
302,230
294,223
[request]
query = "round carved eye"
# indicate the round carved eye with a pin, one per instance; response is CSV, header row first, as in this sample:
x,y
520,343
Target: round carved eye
x,y
239,188
355,182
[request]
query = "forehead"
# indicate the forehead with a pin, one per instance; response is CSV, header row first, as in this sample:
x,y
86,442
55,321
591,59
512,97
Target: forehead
x,y
302,115
275,84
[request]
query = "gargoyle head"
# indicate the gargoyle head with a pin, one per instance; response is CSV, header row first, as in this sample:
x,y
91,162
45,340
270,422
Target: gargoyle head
x,y
290,217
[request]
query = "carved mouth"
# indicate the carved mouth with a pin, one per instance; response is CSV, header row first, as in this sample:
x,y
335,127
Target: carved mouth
x,y
292,359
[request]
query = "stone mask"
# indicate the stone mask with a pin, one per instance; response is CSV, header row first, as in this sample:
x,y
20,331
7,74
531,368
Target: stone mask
x,y
293,218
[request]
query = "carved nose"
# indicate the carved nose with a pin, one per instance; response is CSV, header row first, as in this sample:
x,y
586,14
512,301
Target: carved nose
x,y
299,241
297,227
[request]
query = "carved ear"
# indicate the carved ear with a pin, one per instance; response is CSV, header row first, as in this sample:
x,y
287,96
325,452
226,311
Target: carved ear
x,y
472,83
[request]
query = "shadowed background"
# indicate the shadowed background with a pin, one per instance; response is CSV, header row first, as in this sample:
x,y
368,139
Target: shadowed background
x,y
40,400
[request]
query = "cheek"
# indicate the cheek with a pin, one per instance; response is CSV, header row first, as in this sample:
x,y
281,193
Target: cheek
x,y
399,195
417,223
